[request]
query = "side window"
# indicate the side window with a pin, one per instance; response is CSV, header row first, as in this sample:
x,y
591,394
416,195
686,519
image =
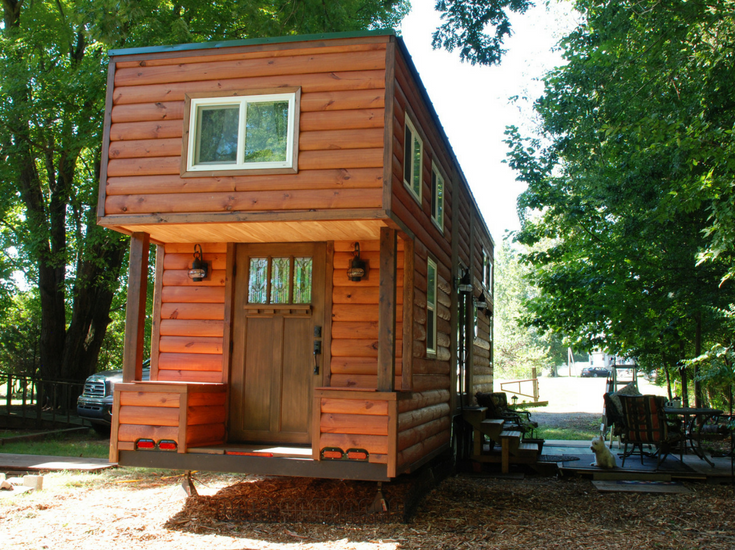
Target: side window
x,y
431,307
413,152
487,271
437,197
241,132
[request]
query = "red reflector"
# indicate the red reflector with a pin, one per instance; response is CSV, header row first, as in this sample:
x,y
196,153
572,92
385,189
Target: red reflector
x,y
332,454
145,444
167,445
357,455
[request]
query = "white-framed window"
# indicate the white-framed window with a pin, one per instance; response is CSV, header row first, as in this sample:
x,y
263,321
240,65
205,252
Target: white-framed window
x,y
487,271
413,153
437,197
242,132
431,306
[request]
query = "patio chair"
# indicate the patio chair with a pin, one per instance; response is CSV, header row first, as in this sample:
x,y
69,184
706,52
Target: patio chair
x,y
497,407
613,416
645,423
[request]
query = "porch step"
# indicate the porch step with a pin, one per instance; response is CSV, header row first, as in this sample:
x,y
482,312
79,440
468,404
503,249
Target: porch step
x,y
474,416
525,449
492,427
510,439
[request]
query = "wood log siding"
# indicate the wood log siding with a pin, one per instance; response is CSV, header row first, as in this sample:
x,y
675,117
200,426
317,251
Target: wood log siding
x,y
354,350
357,420
192,316
192,415
341,130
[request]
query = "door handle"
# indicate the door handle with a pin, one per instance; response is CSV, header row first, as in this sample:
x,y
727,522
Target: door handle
x,y
317,352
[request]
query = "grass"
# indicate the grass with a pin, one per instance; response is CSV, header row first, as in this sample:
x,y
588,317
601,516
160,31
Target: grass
x,y
577,432
82,443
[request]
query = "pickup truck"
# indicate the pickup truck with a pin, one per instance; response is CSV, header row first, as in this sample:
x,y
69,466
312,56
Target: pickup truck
x,y
95,403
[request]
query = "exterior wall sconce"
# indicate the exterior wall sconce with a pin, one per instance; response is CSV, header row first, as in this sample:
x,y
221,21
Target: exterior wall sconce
x,y
463,283
481,302
199,267
358,267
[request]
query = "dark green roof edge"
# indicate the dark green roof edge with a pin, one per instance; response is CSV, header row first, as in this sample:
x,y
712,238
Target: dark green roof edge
x,y
250,42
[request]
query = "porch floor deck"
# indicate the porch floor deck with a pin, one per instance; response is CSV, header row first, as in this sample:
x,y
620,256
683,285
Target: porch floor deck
x,y
250,449
691,467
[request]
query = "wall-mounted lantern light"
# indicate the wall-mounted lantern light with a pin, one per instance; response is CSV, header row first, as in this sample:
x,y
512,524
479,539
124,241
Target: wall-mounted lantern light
x,y
358,267
199,267
481,302
463,283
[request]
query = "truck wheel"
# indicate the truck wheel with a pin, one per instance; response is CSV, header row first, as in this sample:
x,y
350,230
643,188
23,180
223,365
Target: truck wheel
x,y
102,429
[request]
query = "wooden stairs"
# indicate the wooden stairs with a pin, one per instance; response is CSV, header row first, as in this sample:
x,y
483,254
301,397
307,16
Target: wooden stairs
x,y
489,433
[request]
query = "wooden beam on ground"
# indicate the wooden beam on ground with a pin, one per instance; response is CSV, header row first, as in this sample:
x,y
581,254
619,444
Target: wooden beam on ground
x,y
135,315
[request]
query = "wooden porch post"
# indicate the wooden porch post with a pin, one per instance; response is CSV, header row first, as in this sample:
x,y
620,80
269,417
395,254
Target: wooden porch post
x,y
387,311
135,313
408,288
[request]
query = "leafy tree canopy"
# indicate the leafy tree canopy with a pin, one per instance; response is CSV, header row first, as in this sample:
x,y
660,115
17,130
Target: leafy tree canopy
x,y
476,27
629,208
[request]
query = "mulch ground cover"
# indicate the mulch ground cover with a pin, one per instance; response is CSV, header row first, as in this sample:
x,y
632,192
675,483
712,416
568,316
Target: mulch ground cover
x,y
473,512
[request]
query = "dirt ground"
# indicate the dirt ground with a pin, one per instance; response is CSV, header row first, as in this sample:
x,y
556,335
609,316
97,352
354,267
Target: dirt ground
x,y
144,509
149,510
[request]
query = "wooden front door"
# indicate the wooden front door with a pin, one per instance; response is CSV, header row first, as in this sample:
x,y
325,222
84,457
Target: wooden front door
x,y
279,312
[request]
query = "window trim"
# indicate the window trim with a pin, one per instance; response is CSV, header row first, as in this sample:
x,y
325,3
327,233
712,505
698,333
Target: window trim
x,y
415,137
436,173
487,271
202,99
431,308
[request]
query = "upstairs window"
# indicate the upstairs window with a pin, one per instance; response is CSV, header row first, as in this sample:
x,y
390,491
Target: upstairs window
x,y
431,307
235,133
413,152
437,197
487,271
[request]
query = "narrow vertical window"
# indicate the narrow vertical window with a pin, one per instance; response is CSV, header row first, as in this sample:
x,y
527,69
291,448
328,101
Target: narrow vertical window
x,y
431,307
258,282
487,271
437,198
413,151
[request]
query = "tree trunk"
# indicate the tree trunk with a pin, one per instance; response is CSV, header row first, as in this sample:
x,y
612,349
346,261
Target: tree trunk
x,y
698,401
94,290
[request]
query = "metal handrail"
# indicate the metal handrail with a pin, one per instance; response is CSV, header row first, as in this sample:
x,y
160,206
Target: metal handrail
x,y
34,395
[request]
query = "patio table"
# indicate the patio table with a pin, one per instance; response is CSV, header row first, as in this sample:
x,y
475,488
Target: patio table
x,y
693,418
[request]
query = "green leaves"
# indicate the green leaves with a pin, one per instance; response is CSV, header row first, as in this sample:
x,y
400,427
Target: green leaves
x,y
629,207
476,27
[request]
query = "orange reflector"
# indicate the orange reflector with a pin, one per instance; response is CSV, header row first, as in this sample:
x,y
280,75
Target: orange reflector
x,y
332,453
145,444
167,445
357,455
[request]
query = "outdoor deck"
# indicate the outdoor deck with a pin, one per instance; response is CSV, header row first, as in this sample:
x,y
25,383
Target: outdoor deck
x,y
579,458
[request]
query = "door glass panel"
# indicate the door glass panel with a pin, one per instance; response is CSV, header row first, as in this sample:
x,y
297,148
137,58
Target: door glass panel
x,y
258,283
302,280
280,272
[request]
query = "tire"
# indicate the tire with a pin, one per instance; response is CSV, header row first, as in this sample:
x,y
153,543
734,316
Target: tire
x,y
103,430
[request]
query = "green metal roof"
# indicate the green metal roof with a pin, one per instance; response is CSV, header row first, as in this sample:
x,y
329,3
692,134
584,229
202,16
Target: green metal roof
x,y
251,42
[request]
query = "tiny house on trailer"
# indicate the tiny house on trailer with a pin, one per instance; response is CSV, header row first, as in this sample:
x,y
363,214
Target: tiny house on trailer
x,y
323,276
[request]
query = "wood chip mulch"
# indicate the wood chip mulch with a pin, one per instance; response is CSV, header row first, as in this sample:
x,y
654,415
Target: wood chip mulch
x,y
474,512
